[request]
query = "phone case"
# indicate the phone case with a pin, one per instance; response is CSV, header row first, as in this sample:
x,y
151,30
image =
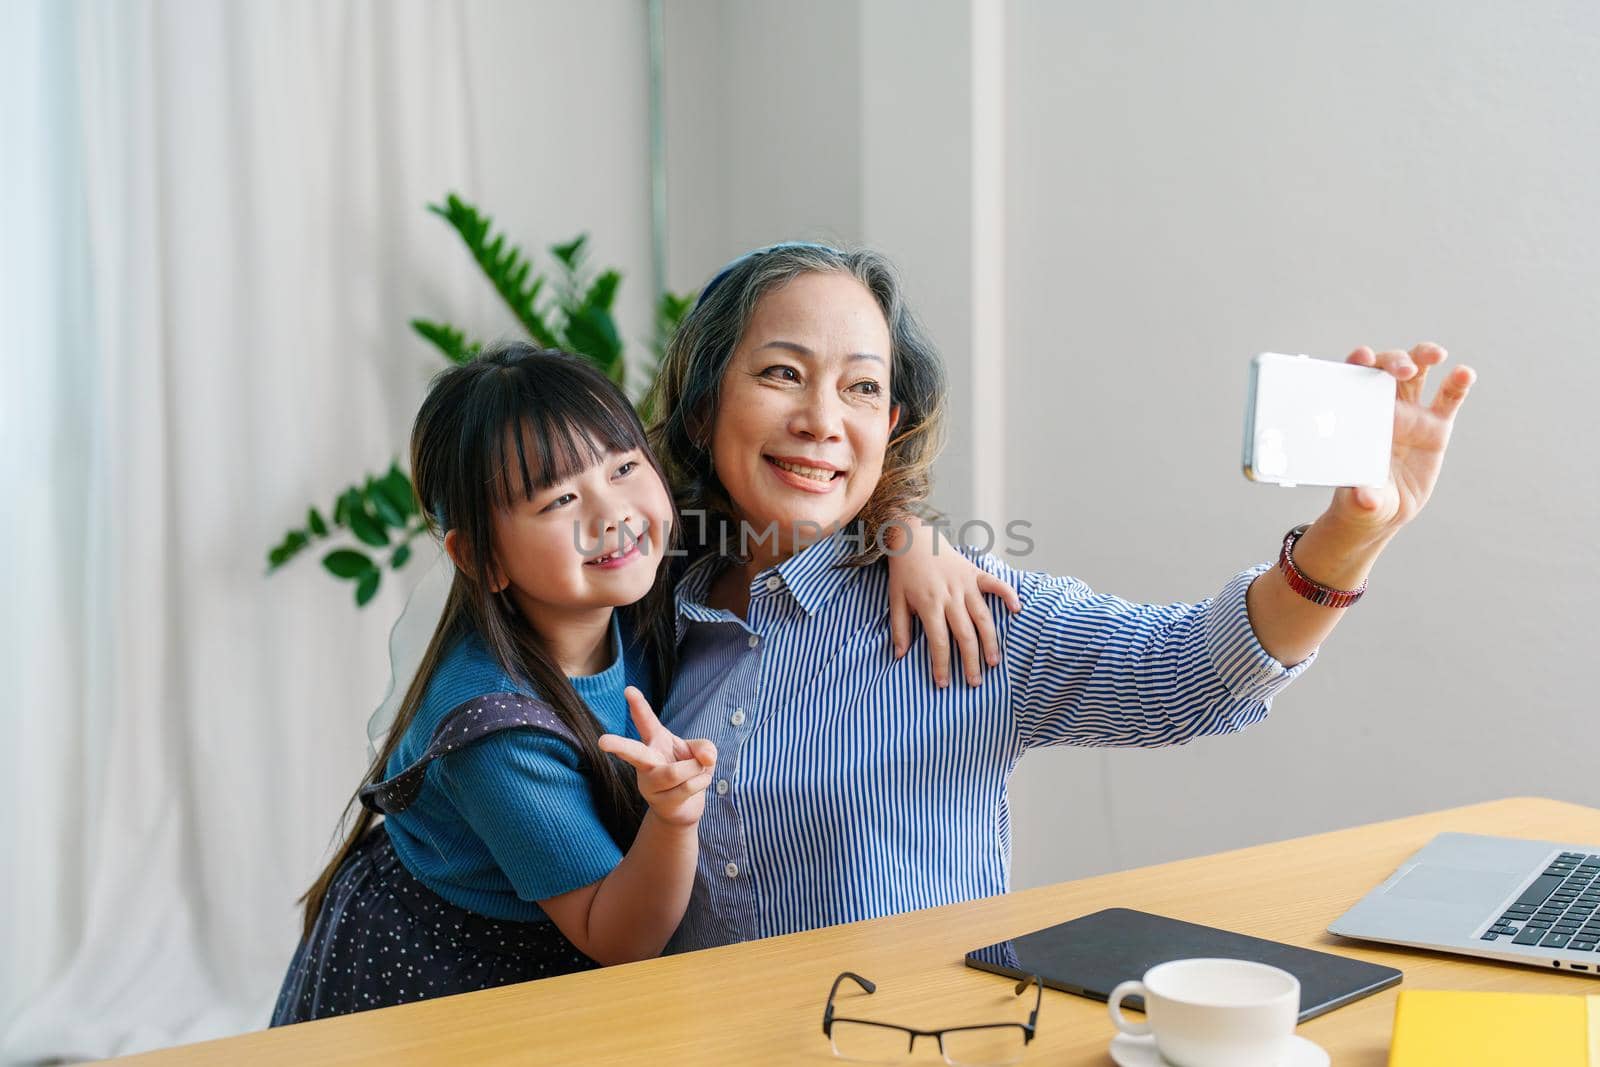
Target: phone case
x,y
1317,422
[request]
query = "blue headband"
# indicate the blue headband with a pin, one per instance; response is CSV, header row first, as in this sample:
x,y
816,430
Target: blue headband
x,y
717,278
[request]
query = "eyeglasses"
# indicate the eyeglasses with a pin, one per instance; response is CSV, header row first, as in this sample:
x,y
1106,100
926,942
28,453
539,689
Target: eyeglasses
x,y
987,1045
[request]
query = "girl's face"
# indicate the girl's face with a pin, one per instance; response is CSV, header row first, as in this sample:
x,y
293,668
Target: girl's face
x,y
803,419
594,540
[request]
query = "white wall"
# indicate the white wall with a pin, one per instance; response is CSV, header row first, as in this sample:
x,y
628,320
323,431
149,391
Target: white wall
x,y
761,103
1189,185
917,193
825,121
561,138
1185,186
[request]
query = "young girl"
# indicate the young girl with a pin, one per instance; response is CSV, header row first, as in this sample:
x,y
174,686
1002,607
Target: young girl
x,y
527,830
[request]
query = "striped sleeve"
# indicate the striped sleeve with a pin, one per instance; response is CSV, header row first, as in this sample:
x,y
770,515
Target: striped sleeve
x,y
1087,668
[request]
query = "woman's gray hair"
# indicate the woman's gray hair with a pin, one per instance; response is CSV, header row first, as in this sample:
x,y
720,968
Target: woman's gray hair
x,y
684,399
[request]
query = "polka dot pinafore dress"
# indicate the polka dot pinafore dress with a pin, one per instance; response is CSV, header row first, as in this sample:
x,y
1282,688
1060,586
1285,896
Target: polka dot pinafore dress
x,y
383,938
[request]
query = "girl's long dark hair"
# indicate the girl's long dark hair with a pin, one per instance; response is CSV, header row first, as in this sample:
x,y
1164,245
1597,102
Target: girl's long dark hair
x,y
493,432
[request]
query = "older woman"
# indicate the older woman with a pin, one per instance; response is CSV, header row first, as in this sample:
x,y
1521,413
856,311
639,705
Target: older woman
x,y
801,401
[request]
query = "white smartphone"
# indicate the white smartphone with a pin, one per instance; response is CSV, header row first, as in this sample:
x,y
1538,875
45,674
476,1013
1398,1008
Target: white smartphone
x,y
1317,422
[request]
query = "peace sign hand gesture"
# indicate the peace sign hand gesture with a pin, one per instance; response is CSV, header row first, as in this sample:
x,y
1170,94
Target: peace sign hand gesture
x,y
673,773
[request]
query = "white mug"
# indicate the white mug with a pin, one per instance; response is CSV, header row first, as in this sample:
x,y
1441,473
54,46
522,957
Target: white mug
x,y
1214,1012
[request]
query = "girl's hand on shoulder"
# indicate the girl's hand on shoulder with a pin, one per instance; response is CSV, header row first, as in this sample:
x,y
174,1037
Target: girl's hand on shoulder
x,y
673,773
930,579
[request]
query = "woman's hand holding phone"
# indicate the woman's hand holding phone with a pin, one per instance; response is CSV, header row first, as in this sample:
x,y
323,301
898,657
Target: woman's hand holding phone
x,y
1339,549
1421,435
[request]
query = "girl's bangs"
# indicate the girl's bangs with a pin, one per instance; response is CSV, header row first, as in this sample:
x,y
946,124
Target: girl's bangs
x,y
547,437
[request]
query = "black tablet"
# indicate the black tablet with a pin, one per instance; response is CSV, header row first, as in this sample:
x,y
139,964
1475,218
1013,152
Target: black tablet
x,y
1089,956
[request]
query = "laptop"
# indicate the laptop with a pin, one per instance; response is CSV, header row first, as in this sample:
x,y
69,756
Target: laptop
x,y
1502,898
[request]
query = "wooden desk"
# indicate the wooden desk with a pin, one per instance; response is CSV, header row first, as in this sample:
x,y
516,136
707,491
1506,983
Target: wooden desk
x,y
762,1001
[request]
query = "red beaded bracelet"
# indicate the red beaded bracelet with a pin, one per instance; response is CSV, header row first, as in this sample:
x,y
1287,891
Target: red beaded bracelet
x,y
1313,591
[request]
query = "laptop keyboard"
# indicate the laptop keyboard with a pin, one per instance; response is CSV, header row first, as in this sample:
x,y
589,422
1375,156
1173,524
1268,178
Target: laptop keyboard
x,y
1558,909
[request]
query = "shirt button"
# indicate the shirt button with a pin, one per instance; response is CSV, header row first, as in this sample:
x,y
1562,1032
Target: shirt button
x,y
773,583
722,787
754,641
731,870
737,718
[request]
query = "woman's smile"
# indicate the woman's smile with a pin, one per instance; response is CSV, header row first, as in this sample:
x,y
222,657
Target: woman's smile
x,y
811,476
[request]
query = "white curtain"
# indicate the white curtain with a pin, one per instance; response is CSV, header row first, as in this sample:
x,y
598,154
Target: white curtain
x,y
213,238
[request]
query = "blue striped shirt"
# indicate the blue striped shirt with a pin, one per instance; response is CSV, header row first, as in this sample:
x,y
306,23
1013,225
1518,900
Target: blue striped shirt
x,y
849,786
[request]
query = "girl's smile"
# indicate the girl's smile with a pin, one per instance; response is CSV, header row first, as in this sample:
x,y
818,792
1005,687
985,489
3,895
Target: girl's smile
x,y
622,557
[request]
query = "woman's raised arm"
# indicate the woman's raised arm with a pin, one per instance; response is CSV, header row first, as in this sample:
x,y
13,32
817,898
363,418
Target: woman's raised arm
x,y
1338,550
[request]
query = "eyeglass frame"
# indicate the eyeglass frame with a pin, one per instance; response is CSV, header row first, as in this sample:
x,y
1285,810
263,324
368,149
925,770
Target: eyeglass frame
x,y
1028,1028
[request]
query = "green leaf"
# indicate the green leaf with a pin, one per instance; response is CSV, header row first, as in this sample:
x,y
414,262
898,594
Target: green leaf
x,y
315,523
367,586
366,528
287,549
571,253
447,339
646,407
592,332
401,556
504,264
396,488
347,563
603,290
382,506
349,500
386,511
670,310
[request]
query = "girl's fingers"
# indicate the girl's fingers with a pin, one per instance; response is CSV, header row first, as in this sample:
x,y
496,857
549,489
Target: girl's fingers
x,y
936,634
966,640
641,756
668,776
683,792
978,609
989,584
704,751
899,622
644,718
1362,357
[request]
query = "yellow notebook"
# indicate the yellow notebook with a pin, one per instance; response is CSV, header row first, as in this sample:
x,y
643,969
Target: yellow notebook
x,y
1439,1028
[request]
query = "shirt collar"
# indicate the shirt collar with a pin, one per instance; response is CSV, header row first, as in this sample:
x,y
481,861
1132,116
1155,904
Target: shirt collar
x,y
812,576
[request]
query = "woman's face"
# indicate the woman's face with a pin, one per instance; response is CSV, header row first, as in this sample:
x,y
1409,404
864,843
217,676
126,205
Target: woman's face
x,y
592,541
804,418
